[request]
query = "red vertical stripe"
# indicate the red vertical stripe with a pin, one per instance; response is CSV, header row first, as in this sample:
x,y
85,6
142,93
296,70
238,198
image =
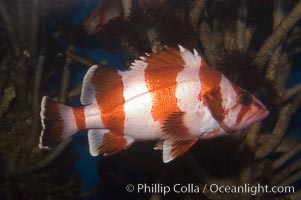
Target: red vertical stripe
x,y
210,79
79,115
109,96
211,94
160,76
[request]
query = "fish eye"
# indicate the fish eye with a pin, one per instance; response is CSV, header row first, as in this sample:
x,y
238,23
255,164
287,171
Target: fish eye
x,y
245,99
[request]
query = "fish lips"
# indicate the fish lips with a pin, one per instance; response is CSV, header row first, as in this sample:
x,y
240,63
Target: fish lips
x,y
250,120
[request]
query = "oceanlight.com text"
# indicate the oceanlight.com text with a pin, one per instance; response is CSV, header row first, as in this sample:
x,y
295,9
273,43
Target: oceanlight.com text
x,y
249,189
191,188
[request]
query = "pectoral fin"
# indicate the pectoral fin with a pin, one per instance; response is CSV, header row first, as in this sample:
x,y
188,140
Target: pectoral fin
x,y
103,141
173,149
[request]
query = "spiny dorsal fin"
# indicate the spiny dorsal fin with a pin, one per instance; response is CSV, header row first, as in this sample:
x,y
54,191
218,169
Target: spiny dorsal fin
x,y
168,57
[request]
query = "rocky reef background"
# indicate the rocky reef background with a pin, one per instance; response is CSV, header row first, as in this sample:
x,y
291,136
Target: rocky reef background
x,y
45,50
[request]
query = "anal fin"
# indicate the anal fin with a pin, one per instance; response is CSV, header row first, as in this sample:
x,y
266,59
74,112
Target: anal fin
x,y
173,149
159,145
103,141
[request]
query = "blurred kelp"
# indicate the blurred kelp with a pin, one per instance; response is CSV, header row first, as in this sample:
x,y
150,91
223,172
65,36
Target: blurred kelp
x,y
255,43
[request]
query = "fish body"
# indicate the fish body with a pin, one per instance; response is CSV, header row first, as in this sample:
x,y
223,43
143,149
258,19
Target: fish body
x,y
171,96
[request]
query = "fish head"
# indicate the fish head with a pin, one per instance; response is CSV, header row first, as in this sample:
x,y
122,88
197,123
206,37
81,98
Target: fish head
x,y
247,111
233,107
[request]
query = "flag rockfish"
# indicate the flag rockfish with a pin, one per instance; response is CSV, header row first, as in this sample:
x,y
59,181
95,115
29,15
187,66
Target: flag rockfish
x,y
171,96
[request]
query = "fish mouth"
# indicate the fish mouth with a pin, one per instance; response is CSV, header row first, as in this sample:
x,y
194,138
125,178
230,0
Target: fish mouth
x,y
258,116
248,121
266,113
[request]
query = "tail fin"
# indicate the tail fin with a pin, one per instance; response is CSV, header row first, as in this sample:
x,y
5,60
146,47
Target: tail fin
x,y
58,123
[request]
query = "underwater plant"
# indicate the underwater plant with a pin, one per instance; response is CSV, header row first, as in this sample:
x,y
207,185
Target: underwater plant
x,y
256,44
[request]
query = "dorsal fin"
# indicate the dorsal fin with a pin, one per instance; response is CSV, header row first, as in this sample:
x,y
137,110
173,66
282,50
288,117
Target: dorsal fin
x,y
168,57
191,60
